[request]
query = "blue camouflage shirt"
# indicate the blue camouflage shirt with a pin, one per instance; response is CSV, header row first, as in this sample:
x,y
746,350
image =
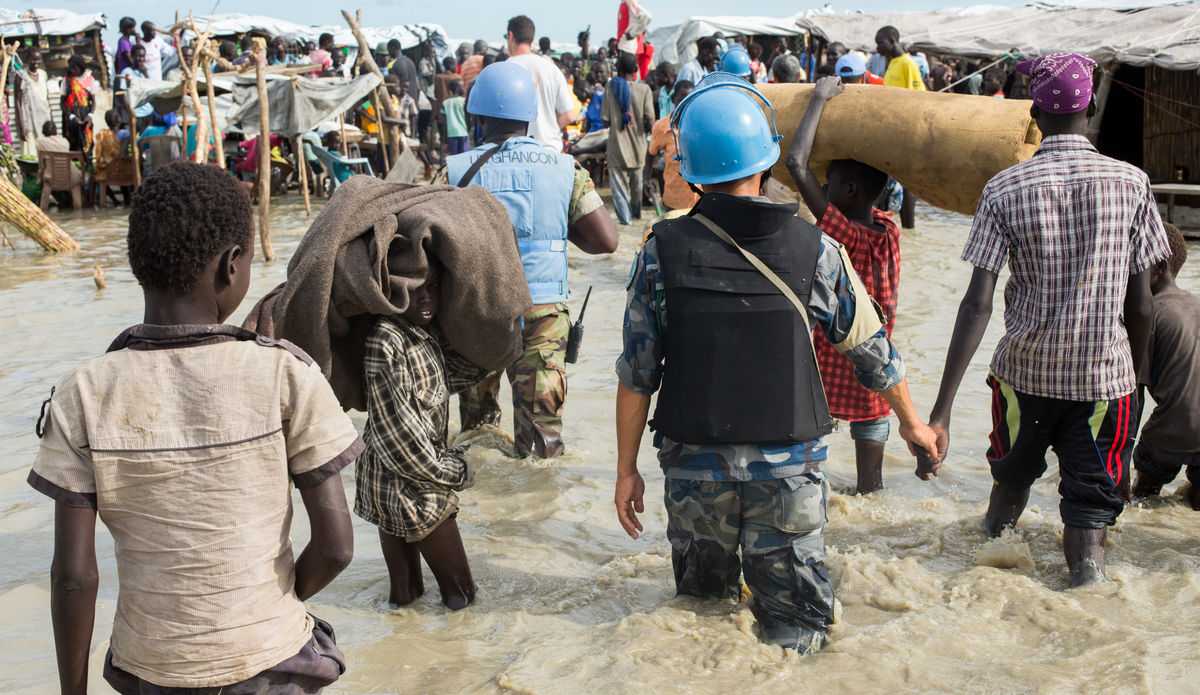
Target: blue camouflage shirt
x,y
831,306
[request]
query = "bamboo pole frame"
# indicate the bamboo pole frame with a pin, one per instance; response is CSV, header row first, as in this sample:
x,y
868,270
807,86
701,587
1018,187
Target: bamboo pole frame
x,y
218,136
302,168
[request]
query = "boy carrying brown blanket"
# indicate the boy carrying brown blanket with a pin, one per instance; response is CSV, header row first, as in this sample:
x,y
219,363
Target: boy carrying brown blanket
x,y
339,281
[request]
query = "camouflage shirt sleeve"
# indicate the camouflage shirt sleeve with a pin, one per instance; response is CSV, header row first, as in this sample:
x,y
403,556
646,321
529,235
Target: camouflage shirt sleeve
x,y
584,198
640,365
832,304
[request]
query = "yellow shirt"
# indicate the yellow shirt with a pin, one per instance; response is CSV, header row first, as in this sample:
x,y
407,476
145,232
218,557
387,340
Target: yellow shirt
x,y
903,72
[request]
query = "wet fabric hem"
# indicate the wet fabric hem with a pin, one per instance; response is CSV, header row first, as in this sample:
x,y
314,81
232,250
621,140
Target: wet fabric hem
x,y
61,494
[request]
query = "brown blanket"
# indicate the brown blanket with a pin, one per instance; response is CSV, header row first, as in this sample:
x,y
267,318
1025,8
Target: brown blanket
x,y
339,281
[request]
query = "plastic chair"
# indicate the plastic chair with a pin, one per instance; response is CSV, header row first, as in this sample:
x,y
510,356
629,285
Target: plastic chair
x,y
60,173
163,150
331,161
118,173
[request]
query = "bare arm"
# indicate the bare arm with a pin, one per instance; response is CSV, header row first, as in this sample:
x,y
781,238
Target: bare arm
x,y
921,439
632,410
802,142
973,314
74,580
565,119
1139,317
331,546
594,233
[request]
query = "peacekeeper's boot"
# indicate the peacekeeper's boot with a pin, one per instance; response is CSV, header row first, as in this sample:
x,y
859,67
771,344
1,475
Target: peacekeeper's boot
x,y
1086,550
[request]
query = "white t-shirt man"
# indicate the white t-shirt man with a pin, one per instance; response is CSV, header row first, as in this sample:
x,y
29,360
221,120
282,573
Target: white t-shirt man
x,y
156,49
554,97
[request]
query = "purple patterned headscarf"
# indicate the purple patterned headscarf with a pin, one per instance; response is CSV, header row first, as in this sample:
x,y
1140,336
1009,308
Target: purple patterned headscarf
x,y
1059,83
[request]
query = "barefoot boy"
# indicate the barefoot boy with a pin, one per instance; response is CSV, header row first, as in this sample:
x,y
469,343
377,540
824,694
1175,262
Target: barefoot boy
x,y
407,478
1171,438
845,211
186,439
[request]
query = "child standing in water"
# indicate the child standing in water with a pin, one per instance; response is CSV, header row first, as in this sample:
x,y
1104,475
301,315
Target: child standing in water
x,y
408,477
186,439
1170,439
845,212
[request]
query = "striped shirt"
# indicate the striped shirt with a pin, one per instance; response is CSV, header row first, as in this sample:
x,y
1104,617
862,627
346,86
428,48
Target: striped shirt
x,y
1072,225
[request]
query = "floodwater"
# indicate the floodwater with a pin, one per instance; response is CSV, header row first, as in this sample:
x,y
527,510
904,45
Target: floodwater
x,y
568,603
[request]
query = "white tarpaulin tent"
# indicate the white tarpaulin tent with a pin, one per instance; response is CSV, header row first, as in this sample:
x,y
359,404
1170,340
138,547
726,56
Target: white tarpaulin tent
x,y
36,22
1167,35
677,43
228,24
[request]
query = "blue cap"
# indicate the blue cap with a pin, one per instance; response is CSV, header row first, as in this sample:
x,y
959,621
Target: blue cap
x,y
850,65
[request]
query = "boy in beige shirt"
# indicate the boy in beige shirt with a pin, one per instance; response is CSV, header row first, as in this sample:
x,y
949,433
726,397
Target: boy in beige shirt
x,y
186,439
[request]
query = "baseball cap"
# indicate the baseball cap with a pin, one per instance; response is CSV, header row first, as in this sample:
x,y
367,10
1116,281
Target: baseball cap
x,y
850,65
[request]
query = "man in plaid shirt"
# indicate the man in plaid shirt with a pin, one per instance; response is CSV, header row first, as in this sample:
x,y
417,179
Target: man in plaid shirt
x,y
845,211
1080,233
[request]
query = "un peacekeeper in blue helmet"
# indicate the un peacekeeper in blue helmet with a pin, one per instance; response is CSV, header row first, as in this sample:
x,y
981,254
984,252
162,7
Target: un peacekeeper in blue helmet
x,y
727,347
551,201
736,61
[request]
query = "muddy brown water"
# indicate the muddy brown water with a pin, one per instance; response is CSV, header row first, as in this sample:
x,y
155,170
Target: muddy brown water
x,y
569,604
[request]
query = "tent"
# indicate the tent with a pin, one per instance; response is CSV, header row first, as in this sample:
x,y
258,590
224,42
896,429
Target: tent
x,y
1167,36
298,104
42,22
677,43
237,23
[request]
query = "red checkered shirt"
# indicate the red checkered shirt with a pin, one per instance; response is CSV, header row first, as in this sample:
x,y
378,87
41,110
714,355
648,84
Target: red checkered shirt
x,y
876,258
1072,225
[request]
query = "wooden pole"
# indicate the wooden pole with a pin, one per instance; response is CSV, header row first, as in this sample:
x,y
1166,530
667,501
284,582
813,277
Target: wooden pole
x,y
137,152
364,52
264,154
342,134
22,213
218,135
100,57
302,166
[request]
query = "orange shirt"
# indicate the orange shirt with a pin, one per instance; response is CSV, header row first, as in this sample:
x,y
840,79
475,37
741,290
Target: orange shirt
x,y
676,194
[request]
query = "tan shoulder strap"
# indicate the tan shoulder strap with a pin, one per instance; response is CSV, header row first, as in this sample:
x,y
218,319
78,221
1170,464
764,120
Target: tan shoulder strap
x,y
760,267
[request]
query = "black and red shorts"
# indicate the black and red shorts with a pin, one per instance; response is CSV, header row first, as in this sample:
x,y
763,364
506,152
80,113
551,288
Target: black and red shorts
x,y
1091,439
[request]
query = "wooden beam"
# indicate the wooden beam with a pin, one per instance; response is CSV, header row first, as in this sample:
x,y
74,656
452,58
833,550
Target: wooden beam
x,y
264,153
218,134
302,167
368,60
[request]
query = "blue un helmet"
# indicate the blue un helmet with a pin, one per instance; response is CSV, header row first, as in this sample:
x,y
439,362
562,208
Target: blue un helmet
x,y
736,61
721,132
504,90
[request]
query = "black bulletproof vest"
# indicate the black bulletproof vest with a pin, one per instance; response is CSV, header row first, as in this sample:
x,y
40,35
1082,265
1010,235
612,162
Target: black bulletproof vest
x,y
738,367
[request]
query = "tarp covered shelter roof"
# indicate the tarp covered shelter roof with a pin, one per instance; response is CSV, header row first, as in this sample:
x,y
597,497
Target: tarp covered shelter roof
x,y
410,35
43,22
1165,35
677,42
297,104
238,23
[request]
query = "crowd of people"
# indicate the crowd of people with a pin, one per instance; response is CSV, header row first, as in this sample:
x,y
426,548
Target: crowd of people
x,y
756,330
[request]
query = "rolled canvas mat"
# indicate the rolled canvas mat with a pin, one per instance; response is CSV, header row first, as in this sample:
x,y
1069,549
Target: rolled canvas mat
x,y
942,147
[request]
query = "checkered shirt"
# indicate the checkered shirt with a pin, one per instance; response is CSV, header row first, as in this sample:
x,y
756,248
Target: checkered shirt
x,y
405,480
876,258
1072,225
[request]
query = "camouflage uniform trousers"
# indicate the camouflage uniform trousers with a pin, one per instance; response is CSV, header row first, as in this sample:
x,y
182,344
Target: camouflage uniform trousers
x,y
779,526
539,386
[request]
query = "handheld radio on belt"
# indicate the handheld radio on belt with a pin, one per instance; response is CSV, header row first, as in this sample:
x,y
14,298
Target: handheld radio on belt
x,y
575,336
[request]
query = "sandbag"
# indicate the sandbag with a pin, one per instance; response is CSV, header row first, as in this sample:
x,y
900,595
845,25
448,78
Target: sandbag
x,y
942,147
